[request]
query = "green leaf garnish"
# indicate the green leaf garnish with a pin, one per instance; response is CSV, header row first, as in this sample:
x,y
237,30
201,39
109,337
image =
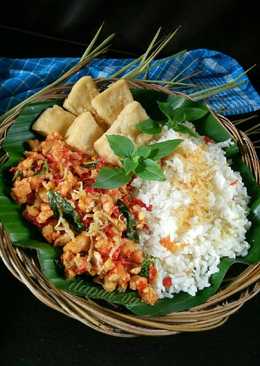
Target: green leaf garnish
x,y
193,110
150,170
109,178
135,161
166,109
184,129
121,145
160,150
131,232
149,126
130,165
143,151
179,110
60,206
176,101
148,260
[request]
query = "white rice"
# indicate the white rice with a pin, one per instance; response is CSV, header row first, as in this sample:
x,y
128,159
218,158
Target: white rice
x,y
217,231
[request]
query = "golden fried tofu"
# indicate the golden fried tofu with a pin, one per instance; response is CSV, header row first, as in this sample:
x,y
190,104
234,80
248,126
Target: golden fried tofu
x,y
112,101
83,132
125,125
80,96
54,119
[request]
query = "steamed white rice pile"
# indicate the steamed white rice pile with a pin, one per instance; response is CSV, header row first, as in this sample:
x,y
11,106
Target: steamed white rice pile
x,y
199,214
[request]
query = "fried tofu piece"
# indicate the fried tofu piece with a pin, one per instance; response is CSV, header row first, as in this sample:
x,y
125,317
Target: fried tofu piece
x,y
54,119
79,244
83,132
125,125
112,101
80,96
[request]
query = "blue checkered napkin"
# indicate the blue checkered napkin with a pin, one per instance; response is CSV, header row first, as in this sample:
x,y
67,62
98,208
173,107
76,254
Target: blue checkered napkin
x,y
20,78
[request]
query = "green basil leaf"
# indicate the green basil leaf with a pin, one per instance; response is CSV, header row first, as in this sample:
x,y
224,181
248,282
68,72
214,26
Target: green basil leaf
x,y
149,170
193,113
178,116
166,109
176,101
131,231
210,126
181,110
121,145
130,165
109,178
149,126
148,260
184,129
53,203
160,150
197,109
184,114
60,205
143,151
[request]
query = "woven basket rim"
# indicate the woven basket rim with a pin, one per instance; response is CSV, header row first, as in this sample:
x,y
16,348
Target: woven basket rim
x,y
207,316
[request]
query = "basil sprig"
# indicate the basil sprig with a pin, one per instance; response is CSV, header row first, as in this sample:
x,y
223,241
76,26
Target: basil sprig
x,y
139,161
177,110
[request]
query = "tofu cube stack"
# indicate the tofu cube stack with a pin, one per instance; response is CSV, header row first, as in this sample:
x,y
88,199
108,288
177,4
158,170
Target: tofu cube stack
x,y
89,116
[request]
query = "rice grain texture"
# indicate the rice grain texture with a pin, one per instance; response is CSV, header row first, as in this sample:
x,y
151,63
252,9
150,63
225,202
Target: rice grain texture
x,y
199,215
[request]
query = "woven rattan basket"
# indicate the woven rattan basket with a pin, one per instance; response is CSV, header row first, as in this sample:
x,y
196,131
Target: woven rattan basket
x,y
210,315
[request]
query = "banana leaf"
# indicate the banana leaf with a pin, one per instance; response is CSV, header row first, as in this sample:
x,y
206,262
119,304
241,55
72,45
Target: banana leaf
x,y
25,235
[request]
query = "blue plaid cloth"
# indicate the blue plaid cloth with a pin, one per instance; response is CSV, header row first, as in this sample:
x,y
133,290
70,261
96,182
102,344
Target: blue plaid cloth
x,y
20,78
